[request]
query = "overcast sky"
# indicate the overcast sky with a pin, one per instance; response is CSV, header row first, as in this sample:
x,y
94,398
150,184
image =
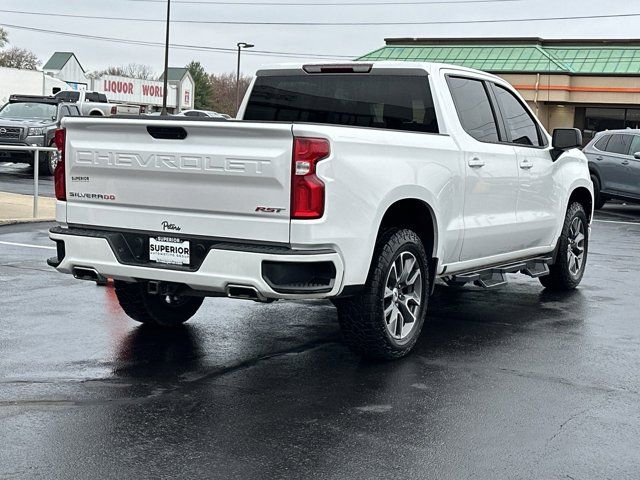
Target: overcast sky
x,y
308,40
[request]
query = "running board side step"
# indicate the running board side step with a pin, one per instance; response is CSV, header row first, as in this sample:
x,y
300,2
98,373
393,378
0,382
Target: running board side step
x,y
496,276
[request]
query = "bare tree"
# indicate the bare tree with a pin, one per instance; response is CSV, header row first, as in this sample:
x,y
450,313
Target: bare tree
x,y
223,92
15,57
4,37
132,70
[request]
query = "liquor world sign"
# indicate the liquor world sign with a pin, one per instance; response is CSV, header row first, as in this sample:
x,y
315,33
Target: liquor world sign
x,y
135,90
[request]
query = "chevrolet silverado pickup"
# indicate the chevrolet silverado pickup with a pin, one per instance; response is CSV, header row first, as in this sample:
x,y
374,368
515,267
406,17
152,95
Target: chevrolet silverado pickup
x,y
362,183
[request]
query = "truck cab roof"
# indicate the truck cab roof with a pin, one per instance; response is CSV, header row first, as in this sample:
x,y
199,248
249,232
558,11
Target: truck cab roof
x,y
358,67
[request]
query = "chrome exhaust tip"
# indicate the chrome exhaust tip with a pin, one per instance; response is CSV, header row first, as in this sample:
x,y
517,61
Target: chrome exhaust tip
x,y
244,292
86,273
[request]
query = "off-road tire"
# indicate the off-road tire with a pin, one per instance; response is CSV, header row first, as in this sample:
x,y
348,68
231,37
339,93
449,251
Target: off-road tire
x,y
362,318
145,308
560,277
598,199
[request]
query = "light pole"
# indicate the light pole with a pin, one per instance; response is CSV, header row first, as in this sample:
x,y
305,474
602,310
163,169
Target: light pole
x,y
166,62
241,45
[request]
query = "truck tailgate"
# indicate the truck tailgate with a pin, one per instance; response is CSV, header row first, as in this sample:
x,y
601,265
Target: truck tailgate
x,y
223,179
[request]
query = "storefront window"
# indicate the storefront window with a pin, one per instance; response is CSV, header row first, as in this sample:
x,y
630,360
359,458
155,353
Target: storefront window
x,y
598,119
632,119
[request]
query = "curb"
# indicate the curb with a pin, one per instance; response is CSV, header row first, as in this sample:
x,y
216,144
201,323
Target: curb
x,y
16,221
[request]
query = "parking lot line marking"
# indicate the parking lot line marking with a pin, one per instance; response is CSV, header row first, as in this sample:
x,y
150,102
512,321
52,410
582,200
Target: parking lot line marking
x,y
618,221
15,244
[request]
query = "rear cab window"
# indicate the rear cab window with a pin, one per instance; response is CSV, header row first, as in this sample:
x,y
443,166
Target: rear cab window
x,y
395,102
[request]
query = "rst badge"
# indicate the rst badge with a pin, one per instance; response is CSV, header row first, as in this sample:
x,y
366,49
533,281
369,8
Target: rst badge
x,y
269,209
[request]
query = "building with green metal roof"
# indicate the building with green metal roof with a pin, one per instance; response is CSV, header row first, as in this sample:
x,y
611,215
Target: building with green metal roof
x,y
590,84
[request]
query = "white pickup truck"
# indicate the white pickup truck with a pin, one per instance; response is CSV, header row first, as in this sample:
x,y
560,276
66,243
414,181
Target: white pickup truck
x,y
360,183
96,103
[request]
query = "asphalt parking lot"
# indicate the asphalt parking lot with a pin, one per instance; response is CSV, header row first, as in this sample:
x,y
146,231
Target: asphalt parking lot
x,y
508,383
18,178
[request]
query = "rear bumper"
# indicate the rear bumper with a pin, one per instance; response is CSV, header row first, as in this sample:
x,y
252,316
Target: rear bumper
x,y
274,272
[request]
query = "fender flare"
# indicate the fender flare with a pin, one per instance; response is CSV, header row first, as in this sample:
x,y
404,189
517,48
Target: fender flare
x,y
410,192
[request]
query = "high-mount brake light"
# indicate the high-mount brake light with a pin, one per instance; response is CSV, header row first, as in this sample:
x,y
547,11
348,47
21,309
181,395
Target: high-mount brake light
x,y
58,174
307,190
339,68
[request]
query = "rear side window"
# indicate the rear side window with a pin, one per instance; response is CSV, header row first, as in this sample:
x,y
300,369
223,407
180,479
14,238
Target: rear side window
x,y
619,144
602,143
473,107
520,124
395,102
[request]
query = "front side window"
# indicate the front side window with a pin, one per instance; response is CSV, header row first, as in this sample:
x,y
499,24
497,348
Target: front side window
x,y
397,102
474,109
520,124
635,145
619,144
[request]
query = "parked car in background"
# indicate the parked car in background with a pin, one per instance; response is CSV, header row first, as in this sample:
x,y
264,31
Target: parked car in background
x,y
614,164
32,120
96,104
201,113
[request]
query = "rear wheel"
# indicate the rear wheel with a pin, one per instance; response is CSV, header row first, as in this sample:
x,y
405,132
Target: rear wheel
x,y
571,259
162,310
598,200
385,320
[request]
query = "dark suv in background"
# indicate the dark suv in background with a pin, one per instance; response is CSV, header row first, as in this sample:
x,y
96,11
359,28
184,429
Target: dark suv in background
x,y
32,120
614,163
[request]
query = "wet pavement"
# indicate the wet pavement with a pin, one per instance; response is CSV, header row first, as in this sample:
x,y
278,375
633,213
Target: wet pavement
x,y
509,383
18,178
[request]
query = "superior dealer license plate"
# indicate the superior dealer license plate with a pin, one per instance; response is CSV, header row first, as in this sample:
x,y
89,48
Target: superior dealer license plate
x,y
171,251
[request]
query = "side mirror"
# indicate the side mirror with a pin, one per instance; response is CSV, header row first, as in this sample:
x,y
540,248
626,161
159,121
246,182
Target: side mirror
x,y
565,139
636,155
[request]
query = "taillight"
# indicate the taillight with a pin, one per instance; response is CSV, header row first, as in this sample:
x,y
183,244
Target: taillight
x,y
307,190
114,110
58,174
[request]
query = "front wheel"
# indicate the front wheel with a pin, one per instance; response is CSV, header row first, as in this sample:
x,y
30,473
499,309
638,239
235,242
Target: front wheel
x,y
571,259
49,162
161,310
385,320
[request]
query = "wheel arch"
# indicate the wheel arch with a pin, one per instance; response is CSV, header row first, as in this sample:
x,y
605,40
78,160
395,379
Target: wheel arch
x,y
593,170
96,113
415,214
583,196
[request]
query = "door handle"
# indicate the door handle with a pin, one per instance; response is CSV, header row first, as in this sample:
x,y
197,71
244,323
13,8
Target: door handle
x,y
599,159
526,164
475,162
625,162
